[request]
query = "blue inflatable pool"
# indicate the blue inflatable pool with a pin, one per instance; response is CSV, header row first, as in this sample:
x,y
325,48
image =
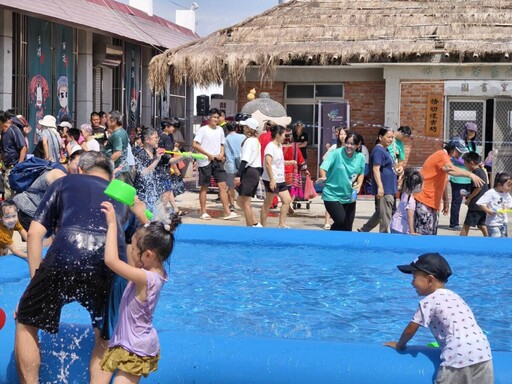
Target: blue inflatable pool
x,y
191,357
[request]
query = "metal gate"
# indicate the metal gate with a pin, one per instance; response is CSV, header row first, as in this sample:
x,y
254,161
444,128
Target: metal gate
x,y
502,136
461,111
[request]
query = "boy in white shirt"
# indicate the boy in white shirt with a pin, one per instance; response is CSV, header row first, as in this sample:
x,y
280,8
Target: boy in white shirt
x,y
209,141
465,355
494,202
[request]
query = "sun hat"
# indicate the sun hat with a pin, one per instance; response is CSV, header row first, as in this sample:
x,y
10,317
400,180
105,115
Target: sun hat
x,y
431,263
65,124
48,121
459,144
470,126
251,123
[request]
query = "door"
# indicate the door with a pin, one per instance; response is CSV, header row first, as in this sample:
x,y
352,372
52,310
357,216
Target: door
x,y
502,136
461,111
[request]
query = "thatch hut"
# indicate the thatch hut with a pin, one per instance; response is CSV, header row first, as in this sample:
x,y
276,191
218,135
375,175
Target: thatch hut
x,y
432,65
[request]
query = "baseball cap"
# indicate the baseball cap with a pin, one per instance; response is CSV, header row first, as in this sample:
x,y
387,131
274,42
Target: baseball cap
x,y
431,263
251,123
459,144
470,126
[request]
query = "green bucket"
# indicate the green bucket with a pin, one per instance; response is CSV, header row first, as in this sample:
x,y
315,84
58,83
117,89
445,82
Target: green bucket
x,y
124,193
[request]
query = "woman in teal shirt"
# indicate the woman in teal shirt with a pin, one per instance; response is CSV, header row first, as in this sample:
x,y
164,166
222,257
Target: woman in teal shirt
x,y
342,172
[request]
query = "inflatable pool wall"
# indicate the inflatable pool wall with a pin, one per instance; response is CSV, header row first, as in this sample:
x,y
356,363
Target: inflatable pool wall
x,y
197,358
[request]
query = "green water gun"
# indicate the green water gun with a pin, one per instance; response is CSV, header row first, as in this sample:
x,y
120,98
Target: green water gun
x,y
197,156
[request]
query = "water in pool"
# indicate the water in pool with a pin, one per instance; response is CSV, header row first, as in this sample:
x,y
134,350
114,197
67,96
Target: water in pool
x,y
307,292
319,293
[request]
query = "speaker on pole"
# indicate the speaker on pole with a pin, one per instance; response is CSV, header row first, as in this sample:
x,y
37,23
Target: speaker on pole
x,y
202,105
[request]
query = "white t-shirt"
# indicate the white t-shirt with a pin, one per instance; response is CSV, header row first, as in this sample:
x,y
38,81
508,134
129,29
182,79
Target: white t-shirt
x,y
93,145
454,327
211,140
251,152
277,163
496,200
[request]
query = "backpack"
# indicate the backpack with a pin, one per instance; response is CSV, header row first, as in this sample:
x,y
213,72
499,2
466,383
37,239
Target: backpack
x,y
25,173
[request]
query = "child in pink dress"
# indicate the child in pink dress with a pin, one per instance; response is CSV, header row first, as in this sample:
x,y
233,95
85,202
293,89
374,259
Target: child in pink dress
x,y
134,349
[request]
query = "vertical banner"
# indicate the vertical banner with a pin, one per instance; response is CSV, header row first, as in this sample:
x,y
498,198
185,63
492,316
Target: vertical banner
x,y
64,72
434,118
132,85
332,115
39,73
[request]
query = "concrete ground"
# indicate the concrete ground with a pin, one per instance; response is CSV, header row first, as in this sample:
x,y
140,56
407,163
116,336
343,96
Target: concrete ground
x,y
303,218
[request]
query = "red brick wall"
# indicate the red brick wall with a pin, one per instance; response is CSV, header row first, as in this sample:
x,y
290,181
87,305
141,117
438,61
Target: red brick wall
x,y
413,112
366,108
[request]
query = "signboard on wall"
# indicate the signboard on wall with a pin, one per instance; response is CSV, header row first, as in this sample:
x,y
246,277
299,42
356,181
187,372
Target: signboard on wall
x,y
330,116
434,118
132,85
228,105
64,70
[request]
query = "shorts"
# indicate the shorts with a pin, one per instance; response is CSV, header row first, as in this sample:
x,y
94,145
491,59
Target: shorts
x,y
498,230
280,187
475,218
476,373
24,219
249,182
119,358
425,219
230,180
50,289
215,169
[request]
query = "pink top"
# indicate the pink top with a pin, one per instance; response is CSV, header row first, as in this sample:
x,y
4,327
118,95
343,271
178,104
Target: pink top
x,y
134,330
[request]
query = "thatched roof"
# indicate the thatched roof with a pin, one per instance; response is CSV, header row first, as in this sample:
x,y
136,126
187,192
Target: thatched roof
x,y
338,32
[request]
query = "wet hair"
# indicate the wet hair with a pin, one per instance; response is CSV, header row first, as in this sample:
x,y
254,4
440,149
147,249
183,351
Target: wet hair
x,y
158,236
382,132
472,157
412,181
7,204
117,117
92,160
4,116
501,178
356,138
147,132
277,130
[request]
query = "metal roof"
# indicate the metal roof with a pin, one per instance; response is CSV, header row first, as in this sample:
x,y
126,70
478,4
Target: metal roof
x,y
106,17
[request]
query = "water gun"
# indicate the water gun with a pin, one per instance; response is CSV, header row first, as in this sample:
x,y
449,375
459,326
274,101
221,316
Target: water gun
x,y
504,210
197,156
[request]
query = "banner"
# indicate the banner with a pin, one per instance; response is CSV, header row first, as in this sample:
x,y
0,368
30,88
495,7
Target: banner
x,y
64,70
39,73
132,85
331,115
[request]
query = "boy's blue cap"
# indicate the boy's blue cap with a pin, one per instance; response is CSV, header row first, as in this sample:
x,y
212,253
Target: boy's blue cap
x,y
431,263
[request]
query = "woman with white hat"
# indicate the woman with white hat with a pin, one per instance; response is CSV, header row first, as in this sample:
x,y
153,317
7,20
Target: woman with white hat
x,y
50,139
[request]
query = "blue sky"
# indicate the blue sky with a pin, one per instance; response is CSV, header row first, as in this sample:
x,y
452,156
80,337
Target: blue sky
x,y
212,14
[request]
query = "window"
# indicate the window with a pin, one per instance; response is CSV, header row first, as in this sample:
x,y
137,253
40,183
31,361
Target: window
x,y
301,103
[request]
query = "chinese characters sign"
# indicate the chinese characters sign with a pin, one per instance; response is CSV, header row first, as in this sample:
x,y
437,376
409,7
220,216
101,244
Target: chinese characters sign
x,y
434,118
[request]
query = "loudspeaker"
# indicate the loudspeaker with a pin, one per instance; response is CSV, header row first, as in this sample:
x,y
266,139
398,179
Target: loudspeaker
x,y
202,105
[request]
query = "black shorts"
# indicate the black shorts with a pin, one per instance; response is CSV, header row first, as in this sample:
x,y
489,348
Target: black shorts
x,y
249,182
24,219
215,169
280,187
50,289
475,218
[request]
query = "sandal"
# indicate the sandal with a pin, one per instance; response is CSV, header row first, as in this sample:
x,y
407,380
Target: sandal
x,y
181,213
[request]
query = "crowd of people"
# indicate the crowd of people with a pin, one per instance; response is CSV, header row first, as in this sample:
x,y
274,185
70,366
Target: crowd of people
x,y
111,258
